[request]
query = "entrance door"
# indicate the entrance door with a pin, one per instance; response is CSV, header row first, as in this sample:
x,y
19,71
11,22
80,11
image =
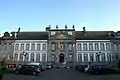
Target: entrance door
x,y
61,57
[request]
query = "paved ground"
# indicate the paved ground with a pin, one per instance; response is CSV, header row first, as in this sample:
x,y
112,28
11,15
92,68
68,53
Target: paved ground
x,y
62,74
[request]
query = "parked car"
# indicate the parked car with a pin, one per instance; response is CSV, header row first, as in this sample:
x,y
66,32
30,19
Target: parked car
x,y
29,69
42,68
95,69
48,67
80,68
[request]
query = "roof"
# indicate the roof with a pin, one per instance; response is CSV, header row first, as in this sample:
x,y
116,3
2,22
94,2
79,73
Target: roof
x,y
93,35
79,35
33,36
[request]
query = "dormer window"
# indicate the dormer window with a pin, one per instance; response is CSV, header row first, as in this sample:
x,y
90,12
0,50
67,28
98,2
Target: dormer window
x,y
52,33
70,32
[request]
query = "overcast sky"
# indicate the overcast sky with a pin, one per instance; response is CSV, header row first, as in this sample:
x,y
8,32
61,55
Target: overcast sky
x,y
35,15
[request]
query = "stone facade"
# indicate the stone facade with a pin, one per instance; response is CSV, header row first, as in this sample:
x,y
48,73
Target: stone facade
x,y
76,47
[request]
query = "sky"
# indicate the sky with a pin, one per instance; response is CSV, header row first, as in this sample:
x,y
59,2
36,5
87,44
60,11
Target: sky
x,y
35,15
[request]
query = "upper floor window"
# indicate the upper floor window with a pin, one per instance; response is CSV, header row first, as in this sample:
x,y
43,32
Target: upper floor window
x,y
96,46
115,47
53,46
102,47
27,46
70,46
38,46
70,32
16,46
44,47
52,33
79,47
33,47
107,46
84,46
22,47
90,46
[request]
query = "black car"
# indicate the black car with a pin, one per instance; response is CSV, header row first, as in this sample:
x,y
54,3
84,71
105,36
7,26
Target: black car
x,y
29,69
95,69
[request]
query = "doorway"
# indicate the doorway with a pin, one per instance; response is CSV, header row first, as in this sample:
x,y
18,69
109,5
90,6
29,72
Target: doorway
x,y
61,57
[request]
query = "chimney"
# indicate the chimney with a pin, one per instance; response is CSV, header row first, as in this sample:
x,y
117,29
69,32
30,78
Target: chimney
x,y
73,27
65,26
84,29
48,28
19,29
56,26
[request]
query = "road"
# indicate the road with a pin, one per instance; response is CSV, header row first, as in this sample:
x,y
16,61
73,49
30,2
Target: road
x,y
62,74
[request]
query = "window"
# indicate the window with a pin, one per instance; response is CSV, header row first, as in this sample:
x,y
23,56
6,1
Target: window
x,y
27,46
15,57
53,57
70,57
97,57
84,46
116,56
91,57
115,47
90,46
38,46
79,47
22,47
107,46
32,57
21,57
79,57
43,57
85,57
53,46
44,47
103,57
96,46
33,47
70,46
109,56
38,57
102,47
26,55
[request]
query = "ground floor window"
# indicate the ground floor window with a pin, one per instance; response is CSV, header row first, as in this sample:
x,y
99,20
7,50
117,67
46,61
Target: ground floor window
x,y
43,57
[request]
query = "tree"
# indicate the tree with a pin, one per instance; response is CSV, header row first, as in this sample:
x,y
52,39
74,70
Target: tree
x,y
3,67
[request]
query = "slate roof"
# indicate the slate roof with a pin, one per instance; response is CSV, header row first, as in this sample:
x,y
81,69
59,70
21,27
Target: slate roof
x,y
79,35
33,35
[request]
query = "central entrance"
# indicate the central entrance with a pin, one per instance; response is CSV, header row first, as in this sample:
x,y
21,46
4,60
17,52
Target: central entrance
x,y
61,57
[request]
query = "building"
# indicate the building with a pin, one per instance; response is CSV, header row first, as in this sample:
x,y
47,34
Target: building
x,y
58,46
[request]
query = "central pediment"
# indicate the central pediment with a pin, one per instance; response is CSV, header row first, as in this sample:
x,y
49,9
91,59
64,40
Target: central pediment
x,y
61,36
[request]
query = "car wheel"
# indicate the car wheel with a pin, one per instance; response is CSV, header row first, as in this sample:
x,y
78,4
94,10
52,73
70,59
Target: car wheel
x,y
34,73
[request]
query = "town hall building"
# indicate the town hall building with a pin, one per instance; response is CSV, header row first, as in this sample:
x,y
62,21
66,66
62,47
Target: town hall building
x,y
63,46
